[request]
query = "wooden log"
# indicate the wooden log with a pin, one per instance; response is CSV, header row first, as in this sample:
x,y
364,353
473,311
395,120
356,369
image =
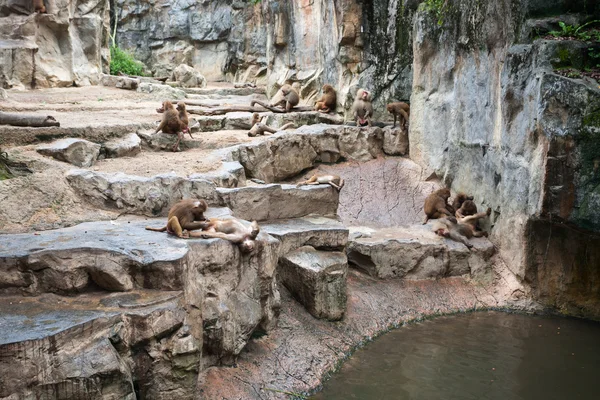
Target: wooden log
x,y
280,110
260,129
27,120
223,110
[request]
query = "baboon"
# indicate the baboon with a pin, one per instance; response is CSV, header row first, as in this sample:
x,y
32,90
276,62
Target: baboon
x,y
230,229
255,119
460,229
362,109
187,214
38,6
286,97
170,123
333,180
328,100
400,110
183,117
468,213
459,200
436,205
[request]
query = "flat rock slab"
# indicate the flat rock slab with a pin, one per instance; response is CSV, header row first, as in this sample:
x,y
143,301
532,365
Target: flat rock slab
x,y
165,142
127,146
317,279
226,91
273,201
79,152
416,252
319,232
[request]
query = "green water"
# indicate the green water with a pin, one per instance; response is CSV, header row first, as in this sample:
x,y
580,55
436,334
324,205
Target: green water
x,y
483,355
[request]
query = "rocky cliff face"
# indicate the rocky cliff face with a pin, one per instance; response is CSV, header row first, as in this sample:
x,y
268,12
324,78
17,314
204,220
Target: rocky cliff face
x,y
66,46
490,117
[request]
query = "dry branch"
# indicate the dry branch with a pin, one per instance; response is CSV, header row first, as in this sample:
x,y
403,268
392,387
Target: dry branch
x,y
27,120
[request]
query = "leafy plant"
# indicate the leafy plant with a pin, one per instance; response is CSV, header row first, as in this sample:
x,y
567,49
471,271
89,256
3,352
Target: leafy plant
x,y
122,61
594,55
577,31
438,7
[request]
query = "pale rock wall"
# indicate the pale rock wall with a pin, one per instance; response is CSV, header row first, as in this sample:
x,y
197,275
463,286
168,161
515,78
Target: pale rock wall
x,y
66,46
490,118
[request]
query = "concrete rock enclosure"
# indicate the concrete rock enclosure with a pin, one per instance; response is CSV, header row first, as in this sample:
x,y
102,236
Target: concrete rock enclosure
x,y
66,46
491,118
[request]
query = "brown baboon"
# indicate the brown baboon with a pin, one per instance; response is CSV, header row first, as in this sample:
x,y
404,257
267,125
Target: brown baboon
x,y
230,229
436,205
183,117
332,180
328,100
362,109
459,199
170,123
400,110
286,97
187,214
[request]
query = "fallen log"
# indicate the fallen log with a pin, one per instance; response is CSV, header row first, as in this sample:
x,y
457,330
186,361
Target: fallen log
x,y
161,79
222,110
279,110
27,120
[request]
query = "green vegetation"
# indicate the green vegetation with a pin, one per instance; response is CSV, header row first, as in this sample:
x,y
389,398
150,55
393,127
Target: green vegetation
x,y
577,31
594,55
121,61
438,7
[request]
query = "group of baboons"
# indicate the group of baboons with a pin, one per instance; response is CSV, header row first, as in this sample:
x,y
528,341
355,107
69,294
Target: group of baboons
x,y
458,221
176,122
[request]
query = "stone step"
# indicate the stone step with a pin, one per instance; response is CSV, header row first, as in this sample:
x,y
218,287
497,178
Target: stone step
x,y
154,195
286,154
225,91
78,345
317,279
416,252
319,232
226,294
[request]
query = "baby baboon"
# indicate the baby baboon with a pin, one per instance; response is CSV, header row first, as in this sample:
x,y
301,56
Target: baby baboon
x,y
170,123
436,205
187,214
328,100
38,6
400,110
459,200
230,229
460,229
255,119
468,214
333,180
286,97
183,117
362,109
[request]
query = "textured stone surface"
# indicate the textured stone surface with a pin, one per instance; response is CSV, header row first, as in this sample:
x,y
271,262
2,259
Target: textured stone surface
x,y
268,202
188,77
286,154
384,192
128,146
79,152
138,195
231,174
509,131
165,142
317,279
318,232
66,46
161,92
416,253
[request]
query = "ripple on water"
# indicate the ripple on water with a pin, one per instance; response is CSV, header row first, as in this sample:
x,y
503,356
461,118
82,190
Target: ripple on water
x,y
483,355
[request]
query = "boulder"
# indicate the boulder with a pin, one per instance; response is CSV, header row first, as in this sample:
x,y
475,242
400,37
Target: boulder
x,y
79,152
127,83
319,232
127,146
165,141
231,174
317,279
395,141
161,92
416,252
269,202
3,94
188,77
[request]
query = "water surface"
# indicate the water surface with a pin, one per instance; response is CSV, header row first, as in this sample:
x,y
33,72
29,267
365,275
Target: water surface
x,y
482,355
